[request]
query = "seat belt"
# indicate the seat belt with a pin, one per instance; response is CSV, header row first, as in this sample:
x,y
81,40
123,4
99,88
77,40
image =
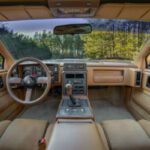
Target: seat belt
x,y
42,142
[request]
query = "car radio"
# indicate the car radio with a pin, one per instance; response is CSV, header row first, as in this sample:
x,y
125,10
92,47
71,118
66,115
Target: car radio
x,y
75,74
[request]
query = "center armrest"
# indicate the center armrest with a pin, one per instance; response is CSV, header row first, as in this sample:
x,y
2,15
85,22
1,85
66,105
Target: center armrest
x,y
76,135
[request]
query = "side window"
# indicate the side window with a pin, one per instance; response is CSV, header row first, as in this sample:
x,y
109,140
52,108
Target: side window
x,y
1,62
148,61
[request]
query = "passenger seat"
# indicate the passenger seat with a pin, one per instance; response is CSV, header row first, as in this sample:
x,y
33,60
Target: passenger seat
x,y
127,134
146,126
22,134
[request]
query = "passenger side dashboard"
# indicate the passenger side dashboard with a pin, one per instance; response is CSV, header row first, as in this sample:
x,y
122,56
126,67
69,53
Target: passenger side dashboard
x,y
113,76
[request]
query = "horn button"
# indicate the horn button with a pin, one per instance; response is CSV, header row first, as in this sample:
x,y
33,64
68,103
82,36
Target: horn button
x,y
29,81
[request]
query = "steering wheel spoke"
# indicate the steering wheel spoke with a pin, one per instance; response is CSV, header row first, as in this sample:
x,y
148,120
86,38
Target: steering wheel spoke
x,y
28,82
28,95
15,80
42,80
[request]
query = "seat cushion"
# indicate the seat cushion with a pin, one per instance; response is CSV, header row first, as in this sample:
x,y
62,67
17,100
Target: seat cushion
x,y
23,134
146,126
126,135
48,133
3,126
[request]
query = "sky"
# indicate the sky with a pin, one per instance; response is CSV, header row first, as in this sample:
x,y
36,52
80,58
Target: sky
x,y
29,27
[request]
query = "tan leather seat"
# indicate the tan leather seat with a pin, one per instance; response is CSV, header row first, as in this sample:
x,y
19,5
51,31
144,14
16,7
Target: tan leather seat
x,y
126,135
3,126
23,134
146,126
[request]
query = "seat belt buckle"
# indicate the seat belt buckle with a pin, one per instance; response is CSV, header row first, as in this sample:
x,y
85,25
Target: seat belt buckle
x,y
42,144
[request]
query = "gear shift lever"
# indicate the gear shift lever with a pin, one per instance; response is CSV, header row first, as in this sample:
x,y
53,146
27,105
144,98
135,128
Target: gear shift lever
x,y
69,93
74,102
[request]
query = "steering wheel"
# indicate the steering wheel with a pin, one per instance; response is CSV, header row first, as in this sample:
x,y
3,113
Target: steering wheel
x,y
28,82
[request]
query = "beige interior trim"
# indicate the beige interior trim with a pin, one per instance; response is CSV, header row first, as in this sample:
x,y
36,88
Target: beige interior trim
x,y
134,11
79,134
9,60
24,12
124,11
111,11
38,12
146,126
138,112
144,81
3,126
140,60
131,77
111,76
141,97
2,17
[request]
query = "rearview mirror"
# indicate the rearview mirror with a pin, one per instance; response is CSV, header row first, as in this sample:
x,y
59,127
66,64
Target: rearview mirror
x,y
73,29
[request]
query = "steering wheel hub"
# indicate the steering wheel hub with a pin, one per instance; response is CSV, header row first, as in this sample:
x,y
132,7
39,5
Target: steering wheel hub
x,y
29,81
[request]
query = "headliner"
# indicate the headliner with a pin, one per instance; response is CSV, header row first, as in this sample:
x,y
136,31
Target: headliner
x,y
45,2
44,9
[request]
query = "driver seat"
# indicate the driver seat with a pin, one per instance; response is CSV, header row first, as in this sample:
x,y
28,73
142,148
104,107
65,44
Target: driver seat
x,y
22,134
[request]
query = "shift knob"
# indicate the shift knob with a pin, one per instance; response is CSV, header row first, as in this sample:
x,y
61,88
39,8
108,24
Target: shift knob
x,y
72,101
68,89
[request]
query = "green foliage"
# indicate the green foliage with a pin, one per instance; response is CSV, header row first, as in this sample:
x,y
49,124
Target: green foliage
x,y
1,62
64,46
97,45
109,44
21,46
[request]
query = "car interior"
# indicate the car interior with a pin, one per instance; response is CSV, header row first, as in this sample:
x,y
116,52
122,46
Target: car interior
x,y
74,75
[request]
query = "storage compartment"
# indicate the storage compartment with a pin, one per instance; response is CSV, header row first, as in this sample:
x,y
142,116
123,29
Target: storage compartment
x,y
108,76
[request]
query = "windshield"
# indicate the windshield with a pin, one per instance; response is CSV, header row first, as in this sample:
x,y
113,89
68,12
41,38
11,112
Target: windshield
x,y
110,39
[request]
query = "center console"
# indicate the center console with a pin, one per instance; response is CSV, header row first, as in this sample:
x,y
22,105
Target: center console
x,y
74,103
71,134
75,119
75,74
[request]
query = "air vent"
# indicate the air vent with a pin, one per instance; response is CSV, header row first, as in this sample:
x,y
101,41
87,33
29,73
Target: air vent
x,y
74,67
138,78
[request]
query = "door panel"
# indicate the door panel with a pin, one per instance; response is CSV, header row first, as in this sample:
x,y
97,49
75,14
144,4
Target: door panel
x,y
8,108
146,81
140,99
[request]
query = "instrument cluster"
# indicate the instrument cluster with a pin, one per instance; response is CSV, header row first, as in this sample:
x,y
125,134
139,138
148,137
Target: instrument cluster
x,y
33,70
37,71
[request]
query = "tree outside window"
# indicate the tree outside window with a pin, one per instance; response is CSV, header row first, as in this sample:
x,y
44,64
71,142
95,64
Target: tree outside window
x,y
1,62
148,61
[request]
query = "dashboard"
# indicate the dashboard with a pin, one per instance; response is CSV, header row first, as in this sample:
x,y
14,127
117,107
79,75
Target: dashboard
x,y
36,70
98,73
